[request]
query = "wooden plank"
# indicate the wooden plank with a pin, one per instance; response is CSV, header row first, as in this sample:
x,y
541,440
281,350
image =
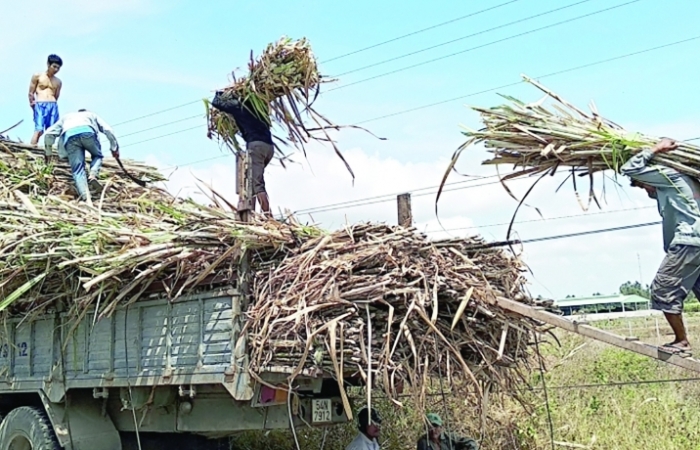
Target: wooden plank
x,y
596,334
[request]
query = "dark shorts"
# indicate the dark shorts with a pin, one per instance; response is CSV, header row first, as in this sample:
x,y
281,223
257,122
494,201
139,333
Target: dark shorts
x,y
678,275
261,154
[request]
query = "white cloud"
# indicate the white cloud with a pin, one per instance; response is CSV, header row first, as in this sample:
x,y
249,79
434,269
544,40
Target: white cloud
x,y
67,18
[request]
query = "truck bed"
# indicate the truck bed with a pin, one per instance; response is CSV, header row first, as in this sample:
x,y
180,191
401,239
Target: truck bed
x,y
150,343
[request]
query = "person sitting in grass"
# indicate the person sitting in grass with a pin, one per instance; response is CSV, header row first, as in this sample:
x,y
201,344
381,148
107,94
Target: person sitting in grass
x,y
437,439
677,197
77,133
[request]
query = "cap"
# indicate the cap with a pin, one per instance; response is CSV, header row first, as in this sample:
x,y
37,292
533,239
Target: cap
x,y
363,417
434,419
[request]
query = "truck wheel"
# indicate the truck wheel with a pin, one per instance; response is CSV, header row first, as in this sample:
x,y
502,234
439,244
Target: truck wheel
x,y
27,428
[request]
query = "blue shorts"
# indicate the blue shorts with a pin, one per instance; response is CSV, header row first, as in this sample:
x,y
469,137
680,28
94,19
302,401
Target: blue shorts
x,y
45,115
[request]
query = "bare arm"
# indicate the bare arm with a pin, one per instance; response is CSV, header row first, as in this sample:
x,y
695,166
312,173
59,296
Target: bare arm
x,y
59,85
32,88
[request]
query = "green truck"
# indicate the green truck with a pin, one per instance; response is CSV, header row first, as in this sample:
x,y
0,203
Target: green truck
x,y
156,374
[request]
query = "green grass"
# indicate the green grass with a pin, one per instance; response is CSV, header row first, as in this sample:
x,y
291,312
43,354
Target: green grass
x,y
664,416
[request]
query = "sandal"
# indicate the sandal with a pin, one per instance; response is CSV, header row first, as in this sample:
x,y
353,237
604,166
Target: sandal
x,y
675,350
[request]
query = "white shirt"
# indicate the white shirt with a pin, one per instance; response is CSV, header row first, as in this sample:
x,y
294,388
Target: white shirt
x,y
362,442
74,120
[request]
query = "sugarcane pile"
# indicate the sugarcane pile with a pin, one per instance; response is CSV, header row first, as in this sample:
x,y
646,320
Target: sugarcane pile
x,y
281,85
22,168
536,140
385,302
54,249
368,301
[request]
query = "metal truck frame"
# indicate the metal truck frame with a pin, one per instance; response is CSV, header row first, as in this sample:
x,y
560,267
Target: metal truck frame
x,y
175,373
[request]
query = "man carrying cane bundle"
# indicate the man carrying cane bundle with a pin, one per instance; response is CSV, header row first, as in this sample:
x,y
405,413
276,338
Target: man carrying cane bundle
x,y
677,196
77,133
255,129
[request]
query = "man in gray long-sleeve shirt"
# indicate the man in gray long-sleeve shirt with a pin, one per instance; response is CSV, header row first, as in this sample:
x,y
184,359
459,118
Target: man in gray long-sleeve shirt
x,y
678,197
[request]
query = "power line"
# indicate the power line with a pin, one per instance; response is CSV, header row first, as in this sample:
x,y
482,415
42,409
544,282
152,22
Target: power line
x,y
462,97
532,31
610,384
459,39
162,125
158,112
618,384
578,234
198,161
341,56
161,136
326,208
551,74
418,32
430,61
544,219
392,196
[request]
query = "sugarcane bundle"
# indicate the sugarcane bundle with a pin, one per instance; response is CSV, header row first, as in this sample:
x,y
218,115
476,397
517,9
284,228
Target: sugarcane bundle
x,y
537,140
382,302
281,86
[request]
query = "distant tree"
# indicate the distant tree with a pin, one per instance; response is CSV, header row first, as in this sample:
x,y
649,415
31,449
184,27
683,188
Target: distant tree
x,y
635,288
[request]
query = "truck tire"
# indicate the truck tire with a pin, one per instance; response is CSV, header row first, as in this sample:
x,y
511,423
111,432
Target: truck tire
x,y
27,428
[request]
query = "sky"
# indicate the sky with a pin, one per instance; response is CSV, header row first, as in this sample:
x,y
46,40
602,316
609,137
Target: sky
x,y
128,59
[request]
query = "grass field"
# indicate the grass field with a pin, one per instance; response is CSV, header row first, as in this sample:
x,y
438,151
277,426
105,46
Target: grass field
x,y
647,413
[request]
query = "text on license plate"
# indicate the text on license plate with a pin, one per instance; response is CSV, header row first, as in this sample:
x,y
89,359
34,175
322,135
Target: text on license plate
x,y
321,411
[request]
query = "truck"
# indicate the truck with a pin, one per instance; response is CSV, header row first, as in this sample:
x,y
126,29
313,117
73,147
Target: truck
x,y
157,373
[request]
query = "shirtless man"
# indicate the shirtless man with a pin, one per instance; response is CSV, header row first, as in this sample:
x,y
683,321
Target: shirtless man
x,y
44,90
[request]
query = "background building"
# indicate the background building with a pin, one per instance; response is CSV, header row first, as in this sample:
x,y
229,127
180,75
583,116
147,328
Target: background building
x,y
602,304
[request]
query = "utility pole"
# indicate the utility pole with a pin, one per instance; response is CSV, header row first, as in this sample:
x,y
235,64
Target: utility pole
x,y
404,210
246,205
639,266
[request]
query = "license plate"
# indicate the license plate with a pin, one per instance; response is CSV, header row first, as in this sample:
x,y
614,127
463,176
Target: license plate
x,y
321,411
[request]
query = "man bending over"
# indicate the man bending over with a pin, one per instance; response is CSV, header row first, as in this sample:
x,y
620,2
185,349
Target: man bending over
x,y
77,134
